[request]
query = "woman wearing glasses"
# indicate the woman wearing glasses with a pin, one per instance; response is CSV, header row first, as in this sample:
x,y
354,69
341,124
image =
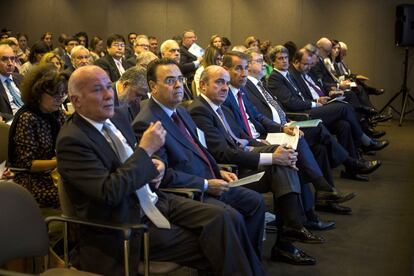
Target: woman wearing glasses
x,y
34,130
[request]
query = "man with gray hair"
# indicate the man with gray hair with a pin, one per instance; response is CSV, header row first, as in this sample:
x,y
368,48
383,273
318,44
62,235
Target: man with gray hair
x,y
170,49
80,56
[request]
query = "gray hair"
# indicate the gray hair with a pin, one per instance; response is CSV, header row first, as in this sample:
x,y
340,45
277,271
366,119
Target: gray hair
x,y
277,50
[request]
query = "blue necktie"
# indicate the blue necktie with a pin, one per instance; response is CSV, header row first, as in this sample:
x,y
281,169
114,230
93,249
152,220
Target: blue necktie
x,y
15,95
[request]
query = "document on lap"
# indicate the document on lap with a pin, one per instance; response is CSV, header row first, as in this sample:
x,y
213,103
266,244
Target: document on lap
x,y
283,138
146,197
247,180
305,124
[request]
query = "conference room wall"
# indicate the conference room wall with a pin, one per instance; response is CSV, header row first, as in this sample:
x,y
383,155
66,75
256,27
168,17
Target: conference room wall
x,y
367,26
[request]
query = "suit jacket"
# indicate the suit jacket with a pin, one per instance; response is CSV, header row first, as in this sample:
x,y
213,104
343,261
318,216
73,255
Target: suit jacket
x,y
322,75
187,66
132,60
287,95
4,100
185,166
108,64
219,143
300,82
101,188
262,124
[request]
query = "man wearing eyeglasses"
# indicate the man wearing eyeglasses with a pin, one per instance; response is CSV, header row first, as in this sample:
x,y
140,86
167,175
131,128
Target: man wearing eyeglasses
x,y
10,98
141,44
114,63
189,163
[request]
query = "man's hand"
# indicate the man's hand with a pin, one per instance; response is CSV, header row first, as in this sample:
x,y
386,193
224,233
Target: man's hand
x,y
160,166
217,186
323,100
228,176
290,130
285,156
153,138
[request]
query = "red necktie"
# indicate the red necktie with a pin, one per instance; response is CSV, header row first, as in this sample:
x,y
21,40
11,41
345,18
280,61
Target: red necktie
x,y
243,113
181,126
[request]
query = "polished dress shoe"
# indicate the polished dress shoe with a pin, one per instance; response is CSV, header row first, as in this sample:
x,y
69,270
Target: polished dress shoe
x,y
291,255
376,92
371,132
302,235
367,167
333,208
376,145
319,224
332,196
354,176
380,118
367,110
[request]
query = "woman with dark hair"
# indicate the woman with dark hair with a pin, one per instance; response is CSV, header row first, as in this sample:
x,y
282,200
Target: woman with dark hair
x,y
82,38
332,58
36,52
97,48
23,54
34,131
47,38
212,56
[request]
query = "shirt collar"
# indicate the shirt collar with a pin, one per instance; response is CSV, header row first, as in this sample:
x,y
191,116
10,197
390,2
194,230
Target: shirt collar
x,y
253,80
284,73
4,78
97,125
167,110
234,90
212,105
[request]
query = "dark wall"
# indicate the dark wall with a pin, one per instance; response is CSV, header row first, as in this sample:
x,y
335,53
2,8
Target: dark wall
x,y
367,26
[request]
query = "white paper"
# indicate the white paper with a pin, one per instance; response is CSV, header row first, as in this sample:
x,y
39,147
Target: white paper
x,y
247,180
340,99
201,137
147,200
196,50
2,168
283,138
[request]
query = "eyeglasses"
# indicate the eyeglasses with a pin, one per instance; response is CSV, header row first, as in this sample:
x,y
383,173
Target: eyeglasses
x,y
58,97
82,57
171,81
260,60
118,45
6,59
143,45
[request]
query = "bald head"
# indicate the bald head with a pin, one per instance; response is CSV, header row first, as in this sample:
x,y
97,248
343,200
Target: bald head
x,y
214,83
90,91
325,47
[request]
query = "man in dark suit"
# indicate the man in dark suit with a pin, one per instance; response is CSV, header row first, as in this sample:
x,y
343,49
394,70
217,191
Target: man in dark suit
x,y
189,163
337,117
113,63
141,44
102,168
225,142
327,151
69,44
10,97
188,62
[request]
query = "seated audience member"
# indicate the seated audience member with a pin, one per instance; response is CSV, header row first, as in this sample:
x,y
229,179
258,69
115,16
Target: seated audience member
x,y
83,39
102,166
188,62
227,143
153,41
252,42
330,60
37,50
225,44
70,43
130,89
141,44
339,118
80,56
34,131
47,38
52,58
144,58
10,96
24,52
96,48
189,163
212,56
215,41
129,47
60,50
239,48
13,43
114,63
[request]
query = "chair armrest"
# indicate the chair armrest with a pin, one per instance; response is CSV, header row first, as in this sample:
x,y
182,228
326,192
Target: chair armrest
x,y
297,116
229,167
187,192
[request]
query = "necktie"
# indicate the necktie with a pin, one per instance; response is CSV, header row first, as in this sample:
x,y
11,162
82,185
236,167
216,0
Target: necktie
x,y
240,142
274,103
243,114
15,95
115,143
181,126
291,81
314,86
120,67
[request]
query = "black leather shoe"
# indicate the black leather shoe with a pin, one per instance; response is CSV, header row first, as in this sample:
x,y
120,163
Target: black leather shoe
x,y
380,118
319,225
367,167
332,197
371,132
354,176
366,110
293,256
376,145
376,92
333,208
302,235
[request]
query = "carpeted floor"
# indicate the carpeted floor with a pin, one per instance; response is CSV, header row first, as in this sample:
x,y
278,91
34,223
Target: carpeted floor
x,y
378,238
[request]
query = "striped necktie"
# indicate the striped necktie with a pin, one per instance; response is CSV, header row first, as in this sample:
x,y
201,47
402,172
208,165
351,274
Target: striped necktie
x,y
15,95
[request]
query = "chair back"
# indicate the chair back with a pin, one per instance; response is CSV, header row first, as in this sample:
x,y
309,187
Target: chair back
x,y
4,141
23,232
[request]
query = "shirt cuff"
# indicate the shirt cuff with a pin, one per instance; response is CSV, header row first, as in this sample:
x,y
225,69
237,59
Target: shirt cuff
x,y
205,184
265,159
196,63
314,105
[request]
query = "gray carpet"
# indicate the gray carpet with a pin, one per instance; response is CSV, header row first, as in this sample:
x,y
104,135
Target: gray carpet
x,y
378,238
